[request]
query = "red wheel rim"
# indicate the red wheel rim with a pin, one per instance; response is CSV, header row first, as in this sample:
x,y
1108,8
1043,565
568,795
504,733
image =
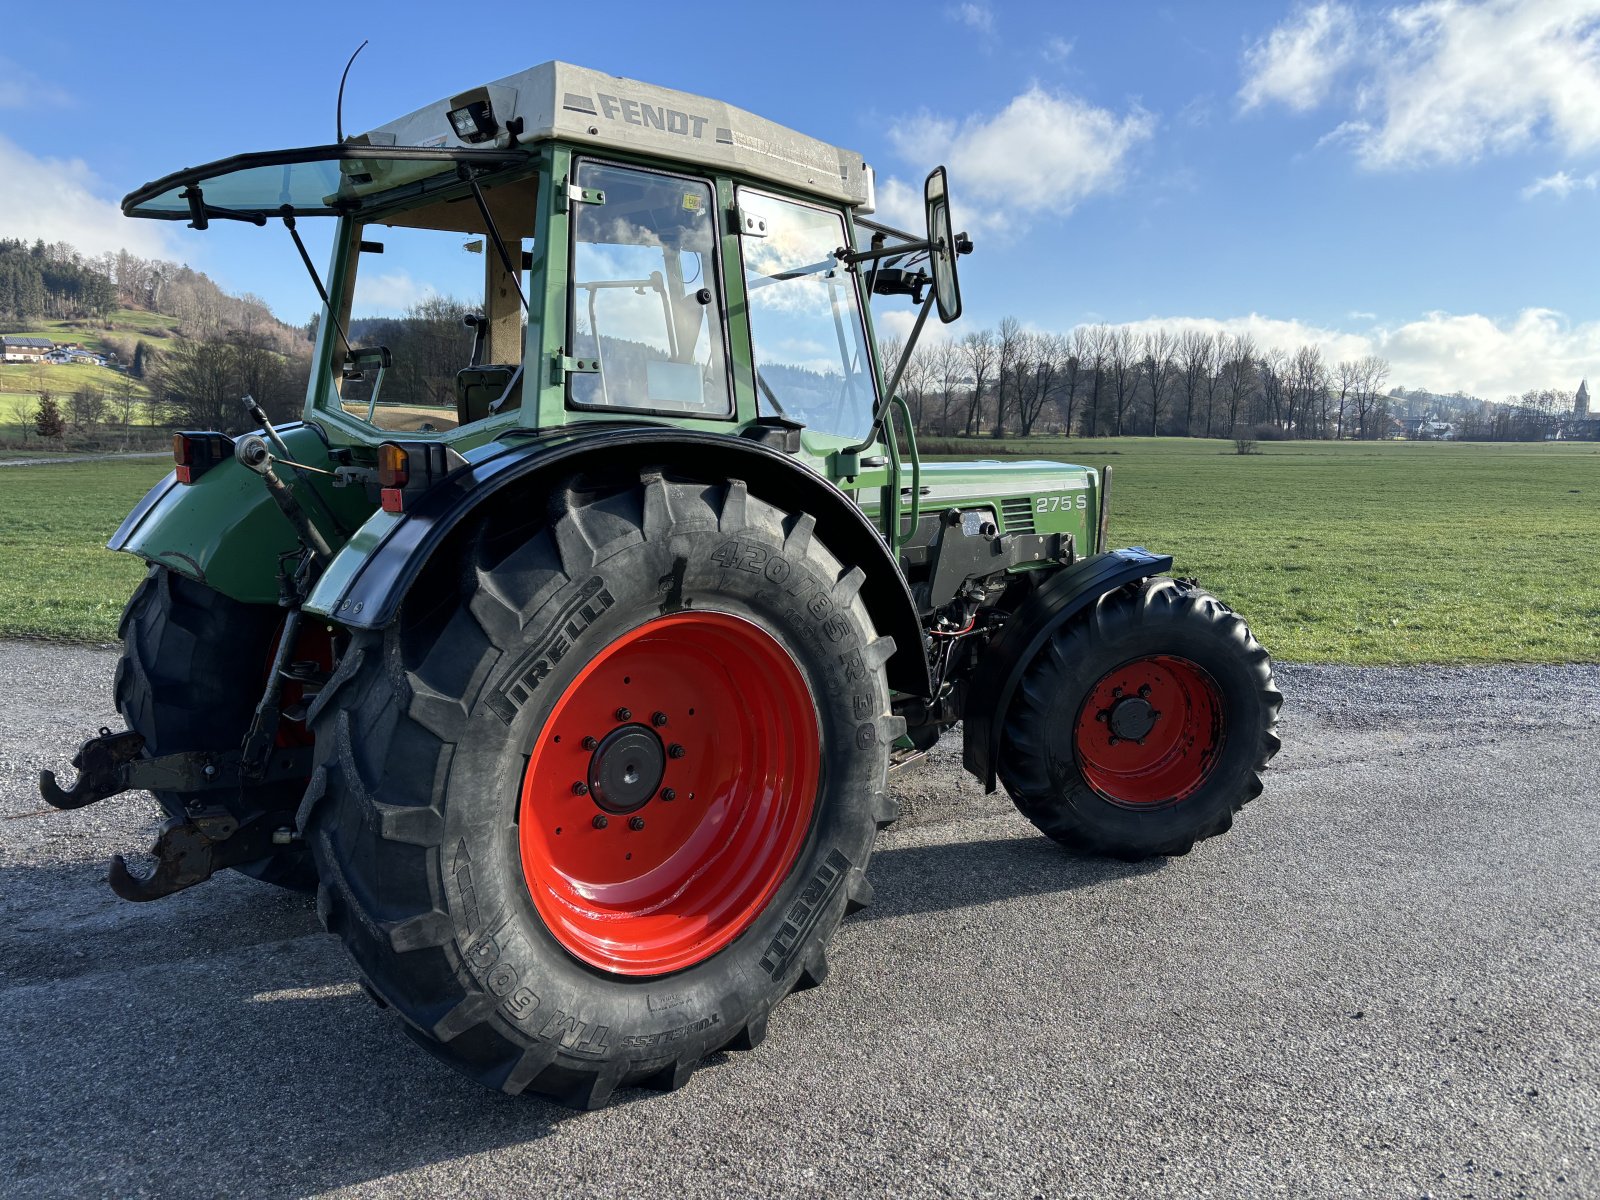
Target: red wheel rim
x,y
1150,732
669,793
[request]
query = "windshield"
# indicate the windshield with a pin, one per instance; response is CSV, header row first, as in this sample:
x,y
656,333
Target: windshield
x,y
312,181
434,321
646,304
807,335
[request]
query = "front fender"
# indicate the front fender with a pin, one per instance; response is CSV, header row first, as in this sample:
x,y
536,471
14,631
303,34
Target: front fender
x,y
1063,596
224,530
367,581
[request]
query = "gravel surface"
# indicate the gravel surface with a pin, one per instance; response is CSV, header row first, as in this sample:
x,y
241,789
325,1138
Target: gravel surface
x,y
1382,982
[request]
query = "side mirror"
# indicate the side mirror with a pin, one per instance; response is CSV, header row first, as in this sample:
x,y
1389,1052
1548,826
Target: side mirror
x,y
943,252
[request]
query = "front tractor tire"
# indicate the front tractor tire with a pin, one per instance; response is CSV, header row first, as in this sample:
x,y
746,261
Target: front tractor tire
x,y
599,798
1143,725
193,668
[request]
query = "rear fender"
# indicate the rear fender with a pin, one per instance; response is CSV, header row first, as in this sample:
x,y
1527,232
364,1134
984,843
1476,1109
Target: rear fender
x,y
368,580
1058,600
224,531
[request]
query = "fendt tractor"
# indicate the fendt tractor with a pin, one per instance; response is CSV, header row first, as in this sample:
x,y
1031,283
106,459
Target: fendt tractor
x,y
565,646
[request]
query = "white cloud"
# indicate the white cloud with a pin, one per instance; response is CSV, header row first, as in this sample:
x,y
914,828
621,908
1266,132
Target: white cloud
x,y
61,200
1044,152
1562,184
390,294
975,16
1441,352
22,89
1298,61
1442,81
1057,49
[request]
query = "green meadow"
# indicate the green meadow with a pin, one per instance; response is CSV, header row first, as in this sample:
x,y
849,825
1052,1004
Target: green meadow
x,y
1369,553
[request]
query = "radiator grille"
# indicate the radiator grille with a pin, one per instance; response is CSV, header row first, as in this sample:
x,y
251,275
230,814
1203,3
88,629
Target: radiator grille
x,y
1017,513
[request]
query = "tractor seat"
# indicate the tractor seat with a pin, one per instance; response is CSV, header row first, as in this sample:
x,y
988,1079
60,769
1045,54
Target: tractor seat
x,y
485,391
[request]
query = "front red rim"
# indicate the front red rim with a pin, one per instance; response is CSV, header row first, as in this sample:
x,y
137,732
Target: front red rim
x,y
1150,732
669,793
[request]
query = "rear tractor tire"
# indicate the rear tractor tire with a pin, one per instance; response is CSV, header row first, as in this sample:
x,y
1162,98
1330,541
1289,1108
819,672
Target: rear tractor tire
x,y
185,682
1143,725
599,798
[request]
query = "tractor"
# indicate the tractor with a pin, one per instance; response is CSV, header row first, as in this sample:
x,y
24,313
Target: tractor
x,y
565,646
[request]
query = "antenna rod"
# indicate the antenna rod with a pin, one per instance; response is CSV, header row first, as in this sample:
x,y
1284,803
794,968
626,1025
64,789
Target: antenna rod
x,y
338,111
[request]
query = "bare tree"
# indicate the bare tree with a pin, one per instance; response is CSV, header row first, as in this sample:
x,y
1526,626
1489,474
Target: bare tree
x,y
947,369
1039,377
1241,375
1371,373
1122,364
1009,361
1071,378
978,356
1194,352
1348,377
1307,393
1089,345
1157,347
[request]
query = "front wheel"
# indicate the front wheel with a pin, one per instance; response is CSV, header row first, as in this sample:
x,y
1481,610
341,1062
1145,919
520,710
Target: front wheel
x,y
598,800
1143,725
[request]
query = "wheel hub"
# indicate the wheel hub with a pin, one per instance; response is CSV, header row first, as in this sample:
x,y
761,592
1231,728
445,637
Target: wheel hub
x,y
1132,718
626,768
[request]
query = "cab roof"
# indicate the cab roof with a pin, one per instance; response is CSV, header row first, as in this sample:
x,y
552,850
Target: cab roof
x,y
576,104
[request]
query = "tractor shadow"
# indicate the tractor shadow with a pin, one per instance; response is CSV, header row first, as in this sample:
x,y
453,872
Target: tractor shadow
x,y
908,880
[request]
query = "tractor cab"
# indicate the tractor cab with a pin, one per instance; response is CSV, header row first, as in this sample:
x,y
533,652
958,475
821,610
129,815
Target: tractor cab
x,y
564,246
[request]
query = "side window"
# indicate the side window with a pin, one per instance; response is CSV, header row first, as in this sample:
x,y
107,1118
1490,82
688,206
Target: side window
x,y
806,331
433,316
646,304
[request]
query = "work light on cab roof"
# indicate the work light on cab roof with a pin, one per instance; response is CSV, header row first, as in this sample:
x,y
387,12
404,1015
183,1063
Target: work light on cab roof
x,y
567,640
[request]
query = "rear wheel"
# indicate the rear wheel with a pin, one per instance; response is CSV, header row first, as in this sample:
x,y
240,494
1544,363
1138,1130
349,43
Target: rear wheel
x,y
185,682
598,800
1142,726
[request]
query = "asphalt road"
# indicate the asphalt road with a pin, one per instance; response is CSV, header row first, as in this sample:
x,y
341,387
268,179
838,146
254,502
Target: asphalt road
x,y
1383,982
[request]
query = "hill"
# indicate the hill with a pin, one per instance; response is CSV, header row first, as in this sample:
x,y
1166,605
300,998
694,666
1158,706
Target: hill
x,y
131,311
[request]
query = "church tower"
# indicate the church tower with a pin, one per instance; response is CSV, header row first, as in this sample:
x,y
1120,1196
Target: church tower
x,y
1580,406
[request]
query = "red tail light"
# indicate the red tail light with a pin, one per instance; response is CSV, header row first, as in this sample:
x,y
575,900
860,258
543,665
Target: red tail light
x,y
196,453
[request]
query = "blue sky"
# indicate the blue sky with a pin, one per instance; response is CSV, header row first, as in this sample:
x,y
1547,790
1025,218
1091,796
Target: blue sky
x,y
1419,180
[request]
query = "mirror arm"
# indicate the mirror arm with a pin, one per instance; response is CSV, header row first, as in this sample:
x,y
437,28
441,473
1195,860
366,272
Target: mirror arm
x,y
851,257
882,411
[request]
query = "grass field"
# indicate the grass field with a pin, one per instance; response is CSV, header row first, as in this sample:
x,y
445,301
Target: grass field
x,y
1372,553
59,579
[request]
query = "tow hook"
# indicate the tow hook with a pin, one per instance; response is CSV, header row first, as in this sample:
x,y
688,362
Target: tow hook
x,y
185,856
111,764
193,847
99,762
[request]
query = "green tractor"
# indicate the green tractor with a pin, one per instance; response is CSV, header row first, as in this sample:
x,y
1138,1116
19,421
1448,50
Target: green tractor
x,y
565,646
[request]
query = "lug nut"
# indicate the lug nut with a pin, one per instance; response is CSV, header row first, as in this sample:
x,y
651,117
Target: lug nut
x,y
580,788
659,719
1116,693
1103,715
668,794
624,714
600,821
676,751
636,823
590,743
1113,740
1144,691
